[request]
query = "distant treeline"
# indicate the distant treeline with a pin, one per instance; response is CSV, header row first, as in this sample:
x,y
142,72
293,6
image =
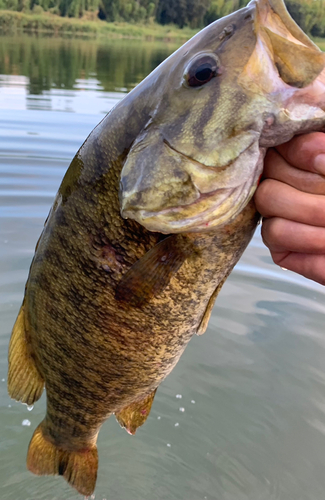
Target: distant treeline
x,y
310,14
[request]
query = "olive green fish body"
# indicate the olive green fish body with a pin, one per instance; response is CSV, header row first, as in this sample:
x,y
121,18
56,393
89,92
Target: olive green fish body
x,y
96,353
151,217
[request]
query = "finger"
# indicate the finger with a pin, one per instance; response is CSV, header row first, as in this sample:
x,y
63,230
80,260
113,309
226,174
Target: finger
x,y
276,167
276,199
310,266
306,152
282,235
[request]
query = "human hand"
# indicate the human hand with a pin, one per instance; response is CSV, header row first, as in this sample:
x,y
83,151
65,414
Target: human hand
x,y
291,198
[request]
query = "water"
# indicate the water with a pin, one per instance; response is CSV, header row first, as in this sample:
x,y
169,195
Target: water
x,y
242,416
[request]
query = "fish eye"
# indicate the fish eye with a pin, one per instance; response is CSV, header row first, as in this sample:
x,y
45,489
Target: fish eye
x,y
201,70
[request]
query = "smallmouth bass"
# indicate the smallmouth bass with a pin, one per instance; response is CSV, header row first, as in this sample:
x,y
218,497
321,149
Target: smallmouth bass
x,y
151,217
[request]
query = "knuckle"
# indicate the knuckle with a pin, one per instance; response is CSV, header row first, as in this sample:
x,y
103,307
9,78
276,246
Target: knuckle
x,y
277,258
273,232
262,196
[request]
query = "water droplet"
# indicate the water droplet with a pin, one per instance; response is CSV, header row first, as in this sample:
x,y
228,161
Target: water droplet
x,y
30,407
177,424
159,417
26,422
192,401
182,409
178,396
169,445
5,241
3,380
9,406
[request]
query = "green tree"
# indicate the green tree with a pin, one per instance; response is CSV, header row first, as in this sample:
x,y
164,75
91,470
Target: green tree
x,y
309,14
221,8
172,11
196,12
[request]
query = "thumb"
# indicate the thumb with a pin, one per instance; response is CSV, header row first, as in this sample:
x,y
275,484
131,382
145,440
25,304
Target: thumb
x,y
306,152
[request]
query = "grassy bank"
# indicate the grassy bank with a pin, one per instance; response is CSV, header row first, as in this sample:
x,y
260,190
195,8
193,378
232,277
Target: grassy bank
x,y
12,22
320,42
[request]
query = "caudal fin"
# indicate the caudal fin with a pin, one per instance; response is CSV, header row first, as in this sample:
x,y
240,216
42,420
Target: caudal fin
x,y
79,468
24,380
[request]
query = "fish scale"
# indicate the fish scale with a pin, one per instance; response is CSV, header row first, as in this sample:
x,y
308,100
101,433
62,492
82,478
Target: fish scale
x,y
141,235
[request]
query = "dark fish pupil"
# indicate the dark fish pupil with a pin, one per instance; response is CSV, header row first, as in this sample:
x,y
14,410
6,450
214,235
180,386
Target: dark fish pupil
x,y
203,73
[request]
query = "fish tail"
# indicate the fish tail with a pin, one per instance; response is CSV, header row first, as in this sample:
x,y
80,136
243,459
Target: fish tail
x,y
79,468
25,383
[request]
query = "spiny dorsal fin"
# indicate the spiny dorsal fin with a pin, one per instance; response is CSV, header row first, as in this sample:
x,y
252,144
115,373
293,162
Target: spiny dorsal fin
x,y
150,275
134,415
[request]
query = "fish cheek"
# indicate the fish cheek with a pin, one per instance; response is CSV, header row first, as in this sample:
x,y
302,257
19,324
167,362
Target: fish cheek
x,y
154,177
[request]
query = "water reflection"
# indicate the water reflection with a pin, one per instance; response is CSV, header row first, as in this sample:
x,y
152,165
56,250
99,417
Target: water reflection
x,y
63,63
86,98
82,76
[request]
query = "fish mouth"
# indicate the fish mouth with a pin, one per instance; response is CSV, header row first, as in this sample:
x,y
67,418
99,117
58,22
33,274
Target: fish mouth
x,y
173,220
222,193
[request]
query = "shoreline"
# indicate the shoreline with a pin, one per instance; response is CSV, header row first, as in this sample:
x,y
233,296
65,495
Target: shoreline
x,y
12,22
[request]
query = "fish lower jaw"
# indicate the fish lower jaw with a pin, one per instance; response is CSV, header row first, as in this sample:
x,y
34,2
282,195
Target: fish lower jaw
x,y
208,212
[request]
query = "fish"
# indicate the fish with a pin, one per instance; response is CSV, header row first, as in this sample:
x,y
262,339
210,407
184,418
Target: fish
x,y
153,213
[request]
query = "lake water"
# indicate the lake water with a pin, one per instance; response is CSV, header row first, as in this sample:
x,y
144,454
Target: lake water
x,y
242,416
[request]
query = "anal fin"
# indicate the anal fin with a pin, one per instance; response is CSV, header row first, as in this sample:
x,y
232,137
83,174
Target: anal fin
x,y
79,468
134,415
207,313
25,383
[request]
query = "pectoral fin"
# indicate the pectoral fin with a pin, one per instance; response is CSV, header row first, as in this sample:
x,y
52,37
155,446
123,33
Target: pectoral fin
x,y
134,415
150,275
207,314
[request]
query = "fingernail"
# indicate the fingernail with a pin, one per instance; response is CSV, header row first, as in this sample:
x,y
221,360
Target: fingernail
x,y
319,164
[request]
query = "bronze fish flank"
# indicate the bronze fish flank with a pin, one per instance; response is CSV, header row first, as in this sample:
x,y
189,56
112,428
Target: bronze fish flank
x,y
112,301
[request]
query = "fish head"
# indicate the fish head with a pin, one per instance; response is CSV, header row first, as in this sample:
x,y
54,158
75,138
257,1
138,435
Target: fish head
x,y
244,83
